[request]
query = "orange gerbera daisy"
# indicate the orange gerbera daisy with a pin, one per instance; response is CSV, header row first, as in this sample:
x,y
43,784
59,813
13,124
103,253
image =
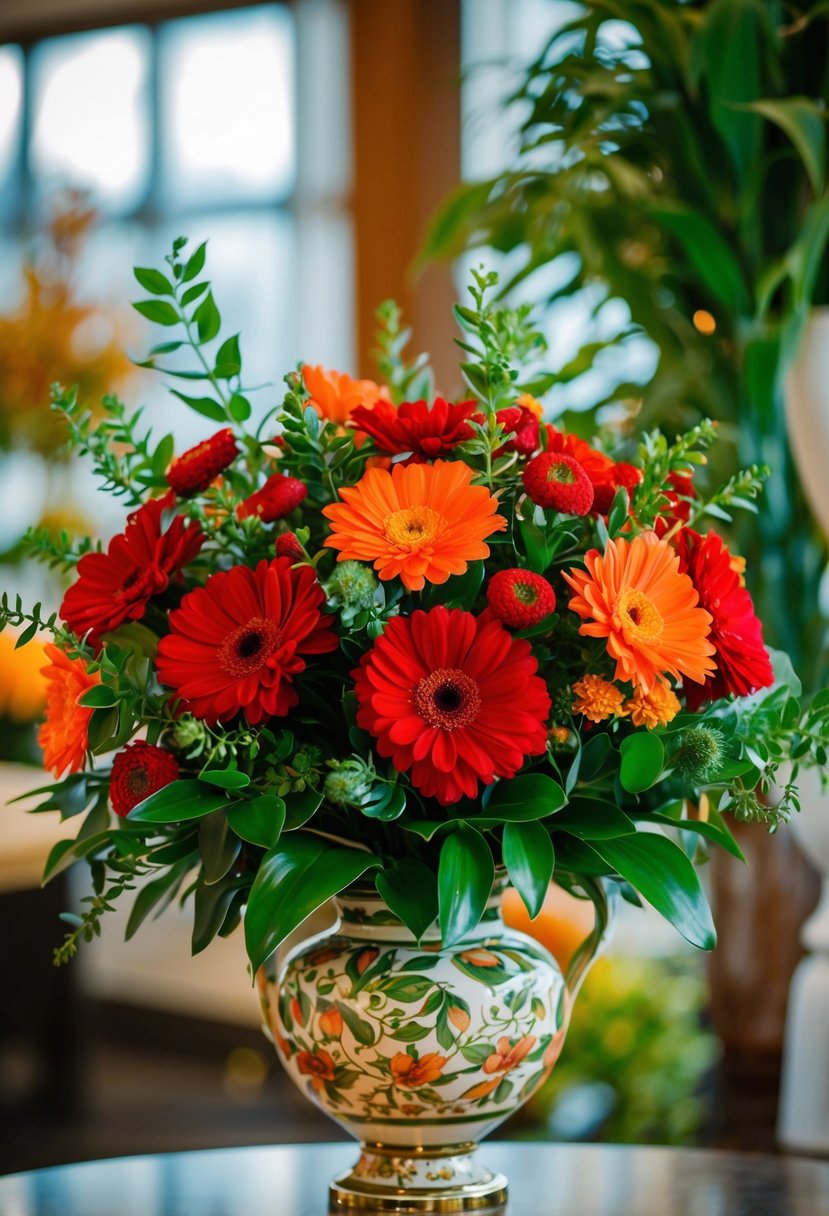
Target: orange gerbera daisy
x,y
635,596
596,698
335,395
422,522
63,736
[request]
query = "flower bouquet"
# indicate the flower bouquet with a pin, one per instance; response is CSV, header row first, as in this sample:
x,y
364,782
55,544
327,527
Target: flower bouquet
x,y
395,649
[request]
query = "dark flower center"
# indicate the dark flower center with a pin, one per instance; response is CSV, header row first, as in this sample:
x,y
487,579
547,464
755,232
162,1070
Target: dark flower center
x,y
447,698
143,583
138,782
247,649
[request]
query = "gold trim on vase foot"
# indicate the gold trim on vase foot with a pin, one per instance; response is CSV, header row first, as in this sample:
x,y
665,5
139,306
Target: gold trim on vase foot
x,y
419,1180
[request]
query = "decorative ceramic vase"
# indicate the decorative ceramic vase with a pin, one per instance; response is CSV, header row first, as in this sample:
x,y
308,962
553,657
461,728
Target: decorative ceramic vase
x,y
419,1050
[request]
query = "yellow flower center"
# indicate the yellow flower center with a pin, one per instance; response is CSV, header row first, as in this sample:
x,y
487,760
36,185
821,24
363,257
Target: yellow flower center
x,y
638,616
411,527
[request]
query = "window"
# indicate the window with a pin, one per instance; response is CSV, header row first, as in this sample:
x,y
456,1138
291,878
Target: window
x,y
230,125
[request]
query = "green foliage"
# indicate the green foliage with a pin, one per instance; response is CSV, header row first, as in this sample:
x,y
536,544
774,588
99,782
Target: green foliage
x,y
681,168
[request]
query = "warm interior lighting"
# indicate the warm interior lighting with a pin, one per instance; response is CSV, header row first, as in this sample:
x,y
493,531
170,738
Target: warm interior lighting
x,y
704,322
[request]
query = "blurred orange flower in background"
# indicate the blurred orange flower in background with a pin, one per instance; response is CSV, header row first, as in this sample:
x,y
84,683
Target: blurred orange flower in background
x,y
22,683
334,395
63,736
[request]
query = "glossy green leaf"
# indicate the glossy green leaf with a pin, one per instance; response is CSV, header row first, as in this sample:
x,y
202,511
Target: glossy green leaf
x,y
195,263
205,406
211,905
708,251
662,874
362,1030
218,846
805,124
593,819
716,831
178,801
154,897
208,319
225,778
530,860
643,759
99,697
293,880
465,874
459,591
299,807
531,796
259,820
410,890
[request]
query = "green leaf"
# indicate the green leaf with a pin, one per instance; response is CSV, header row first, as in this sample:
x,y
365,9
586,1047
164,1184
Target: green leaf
x,y
362,1030
717,832
410,889
208,319
387,802
99,697
531,796
258,820
153,281
662,874
530,861
178,801
218,846
239,408
225,778
229,354
299,807
155,895
465,874
643,759
210,907
593,819
293,880
805,124
708,251
412,1032
459,590
157,311
205,406
195,263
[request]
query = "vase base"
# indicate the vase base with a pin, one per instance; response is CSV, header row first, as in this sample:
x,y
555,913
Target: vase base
x,y
419,1180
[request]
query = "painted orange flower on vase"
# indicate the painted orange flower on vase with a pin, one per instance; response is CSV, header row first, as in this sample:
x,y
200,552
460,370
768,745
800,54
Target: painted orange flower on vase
x,y
335,396
507,1056
64,735
331,1023
412,1073
635,597
319,1066
421,522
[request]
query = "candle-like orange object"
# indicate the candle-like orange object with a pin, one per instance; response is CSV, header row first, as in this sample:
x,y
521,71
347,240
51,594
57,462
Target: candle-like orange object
x,y
562,924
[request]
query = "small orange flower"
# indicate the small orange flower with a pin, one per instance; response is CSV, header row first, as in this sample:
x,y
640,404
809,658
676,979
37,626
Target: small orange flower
x,y
553,1049
559,734
458,1017
423,522
657,707
283,1045
296,1010
334,395
478,957
596,698
481,1089
634,596
414,1073
319,1067
506,1056
325,954
63,736
331,1023
366,958
528,402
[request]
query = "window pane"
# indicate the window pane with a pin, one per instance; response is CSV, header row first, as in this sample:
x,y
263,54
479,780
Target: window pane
x,y
227,106
11,93
90,123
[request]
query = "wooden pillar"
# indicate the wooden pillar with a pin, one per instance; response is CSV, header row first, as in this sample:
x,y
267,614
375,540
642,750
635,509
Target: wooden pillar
x,y
405,65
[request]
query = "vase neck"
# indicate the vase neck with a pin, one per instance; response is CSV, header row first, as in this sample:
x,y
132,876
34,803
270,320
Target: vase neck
x,y
364,915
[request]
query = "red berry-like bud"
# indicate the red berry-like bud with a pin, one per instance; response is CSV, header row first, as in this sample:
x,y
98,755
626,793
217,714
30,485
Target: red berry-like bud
x,y
278,497
194,470
520,598
287,545
139,769
554,480
524,423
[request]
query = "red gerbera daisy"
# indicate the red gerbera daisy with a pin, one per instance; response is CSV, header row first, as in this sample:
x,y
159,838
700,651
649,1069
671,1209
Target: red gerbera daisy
x,y
115,586
426,432
194,470
454,700
139,769
277,497
236,643
743,663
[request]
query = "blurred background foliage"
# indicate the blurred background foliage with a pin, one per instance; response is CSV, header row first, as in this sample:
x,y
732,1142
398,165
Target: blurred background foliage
x,y
673,155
